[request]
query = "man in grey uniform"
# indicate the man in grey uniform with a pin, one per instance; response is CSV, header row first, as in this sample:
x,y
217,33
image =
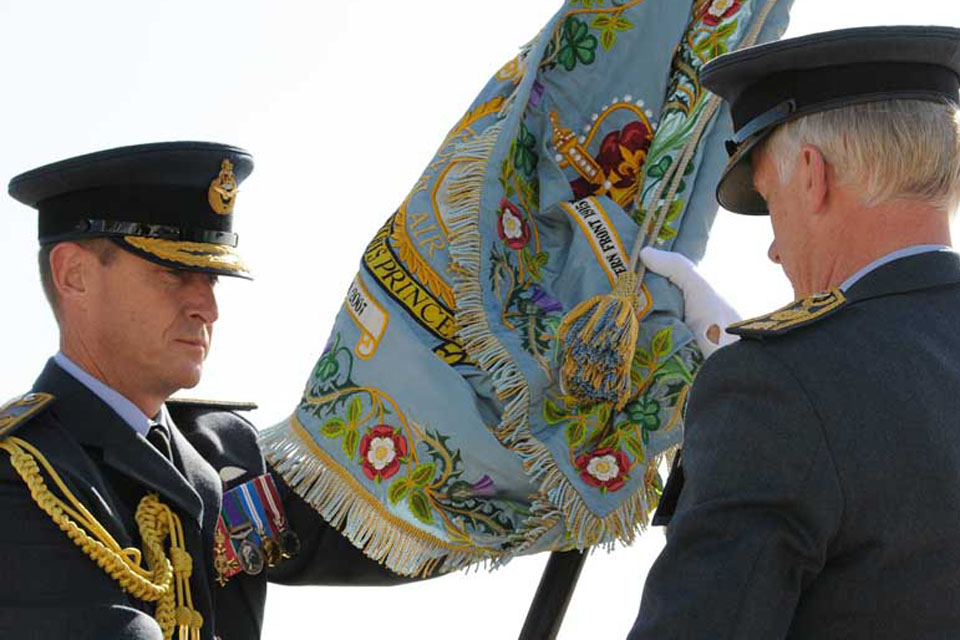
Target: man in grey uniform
x,y
819,490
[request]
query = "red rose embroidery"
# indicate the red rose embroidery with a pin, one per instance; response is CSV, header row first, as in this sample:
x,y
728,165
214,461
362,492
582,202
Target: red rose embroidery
x,y
381,449
511,226
606,468
718,11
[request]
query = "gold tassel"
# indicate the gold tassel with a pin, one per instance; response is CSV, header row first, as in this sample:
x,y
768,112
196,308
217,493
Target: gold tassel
x,y
597,340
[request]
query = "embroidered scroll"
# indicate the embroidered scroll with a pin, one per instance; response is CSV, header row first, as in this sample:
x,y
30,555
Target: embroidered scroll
x,y
432,429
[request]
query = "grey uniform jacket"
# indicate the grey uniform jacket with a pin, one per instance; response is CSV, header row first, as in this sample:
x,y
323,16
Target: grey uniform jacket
x,y
821,476
51,589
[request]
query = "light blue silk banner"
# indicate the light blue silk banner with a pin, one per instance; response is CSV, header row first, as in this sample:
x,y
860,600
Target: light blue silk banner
x,y
432,429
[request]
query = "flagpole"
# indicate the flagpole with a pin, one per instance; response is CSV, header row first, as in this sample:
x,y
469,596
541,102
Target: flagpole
x,y
553,595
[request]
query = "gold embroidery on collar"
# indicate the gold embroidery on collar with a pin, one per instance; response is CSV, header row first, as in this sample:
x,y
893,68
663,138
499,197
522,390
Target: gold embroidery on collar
x,y
792,315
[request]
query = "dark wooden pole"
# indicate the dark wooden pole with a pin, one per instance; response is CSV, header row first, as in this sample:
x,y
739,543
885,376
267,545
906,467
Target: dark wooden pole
x,y
553,595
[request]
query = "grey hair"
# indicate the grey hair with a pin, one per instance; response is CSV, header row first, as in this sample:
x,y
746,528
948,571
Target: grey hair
x,y
894,149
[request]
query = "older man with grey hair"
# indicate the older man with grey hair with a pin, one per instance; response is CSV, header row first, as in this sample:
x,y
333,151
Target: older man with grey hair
x,y
819,490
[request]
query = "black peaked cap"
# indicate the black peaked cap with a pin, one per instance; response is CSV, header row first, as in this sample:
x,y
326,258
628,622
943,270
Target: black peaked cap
x,y
773,83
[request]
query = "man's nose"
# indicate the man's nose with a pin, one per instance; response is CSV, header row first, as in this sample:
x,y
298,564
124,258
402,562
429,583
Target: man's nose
x,y
204,298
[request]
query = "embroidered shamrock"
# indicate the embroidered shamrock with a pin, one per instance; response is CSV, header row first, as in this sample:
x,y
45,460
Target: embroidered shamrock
x,y
576,44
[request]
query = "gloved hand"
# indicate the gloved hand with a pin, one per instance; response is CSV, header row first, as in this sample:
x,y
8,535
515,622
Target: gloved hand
x,y
705,312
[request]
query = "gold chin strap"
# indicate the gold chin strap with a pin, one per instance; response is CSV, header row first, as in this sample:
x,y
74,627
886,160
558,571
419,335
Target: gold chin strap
x,y
166,582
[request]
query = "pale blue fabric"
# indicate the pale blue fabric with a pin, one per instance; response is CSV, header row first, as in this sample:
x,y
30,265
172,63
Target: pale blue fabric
x,y
905,252
433,427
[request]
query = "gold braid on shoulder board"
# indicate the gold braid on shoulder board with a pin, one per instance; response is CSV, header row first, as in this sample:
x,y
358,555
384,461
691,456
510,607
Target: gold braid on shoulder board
x,y
166,582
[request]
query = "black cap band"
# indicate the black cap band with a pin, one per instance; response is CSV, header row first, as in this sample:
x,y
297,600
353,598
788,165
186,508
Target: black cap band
x,y
105,228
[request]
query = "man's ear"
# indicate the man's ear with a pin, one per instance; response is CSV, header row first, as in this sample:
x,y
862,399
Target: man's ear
x,y
69,270
814,185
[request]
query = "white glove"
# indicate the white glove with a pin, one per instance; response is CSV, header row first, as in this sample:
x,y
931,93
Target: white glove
x,y
705,312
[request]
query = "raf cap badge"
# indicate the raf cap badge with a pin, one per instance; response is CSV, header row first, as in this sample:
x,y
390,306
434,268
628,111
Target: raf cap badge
x,y
156,201
223,190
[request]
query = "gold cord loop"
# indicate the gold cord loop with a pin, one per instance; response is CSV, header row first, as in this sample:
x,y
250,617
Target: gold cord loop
x,y
154,519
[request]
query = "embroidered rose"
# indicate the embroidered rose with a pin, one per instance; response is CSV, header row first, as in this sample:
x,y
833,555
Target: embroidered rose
x,y
620,158
604,468
381,449
512,227
720,10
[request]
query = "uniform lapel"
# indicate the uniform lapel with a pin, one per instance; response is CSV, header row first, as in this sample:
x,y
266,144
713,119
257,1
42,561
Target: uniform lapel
x,y
94,424
200,475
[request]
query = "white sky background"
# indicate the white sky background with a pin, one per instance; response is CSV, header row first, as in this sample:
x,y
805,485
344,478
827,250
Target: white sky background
x,y
342,104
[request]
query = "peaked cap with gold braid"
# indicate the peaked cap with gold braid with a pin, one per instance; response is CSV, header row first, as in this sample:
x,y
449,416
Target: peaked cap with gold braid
x,y
170,202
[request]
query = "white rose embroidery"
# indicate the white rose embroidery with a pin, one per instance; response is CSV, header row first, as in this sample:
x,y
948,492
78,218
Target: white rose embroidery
x,y
381,453
512,226
603,468
719,7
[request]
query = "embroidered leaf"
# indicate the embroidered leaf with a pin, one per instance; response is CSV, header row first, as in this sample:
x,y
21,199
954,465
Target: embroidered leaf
x,y
398,489
633,445
333,428
602,21
603,413
423,474
420,506
553,413
660,168
643,359
608,38
354,410
350,441
612,441
576,433
622,24
662,343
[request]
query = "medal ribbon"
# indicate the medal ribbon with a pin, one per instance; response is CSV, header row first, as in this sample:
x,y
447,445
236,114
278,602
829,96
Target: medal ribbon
x,y
235,515
268,493
230,565
254,508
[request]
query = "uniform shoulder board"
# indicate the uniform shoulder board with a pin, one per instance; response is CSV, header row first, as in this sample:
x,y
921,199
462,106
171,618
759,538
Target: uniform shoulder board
x,y
213,405
796,314
19,410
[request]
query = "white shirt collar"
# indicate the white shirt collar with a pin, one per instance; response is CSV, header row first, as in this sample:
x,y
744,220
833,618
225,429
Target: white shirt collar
x,y
890,257
128,411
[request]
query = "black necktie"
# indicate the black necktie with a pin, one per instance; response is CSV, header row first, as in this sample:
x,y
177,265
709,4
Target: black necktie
x,y
160,440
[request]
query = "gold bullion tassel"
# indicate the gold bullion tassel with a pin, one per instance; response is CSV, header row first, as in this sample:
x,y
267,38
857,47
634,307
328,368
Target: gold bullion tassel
x,y
166,582
597,340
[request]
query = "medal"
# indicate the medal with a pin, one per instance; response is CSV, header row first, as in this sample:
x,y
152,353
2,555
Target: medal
x,y
251,558
252,505
224,555
289,541
247,543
